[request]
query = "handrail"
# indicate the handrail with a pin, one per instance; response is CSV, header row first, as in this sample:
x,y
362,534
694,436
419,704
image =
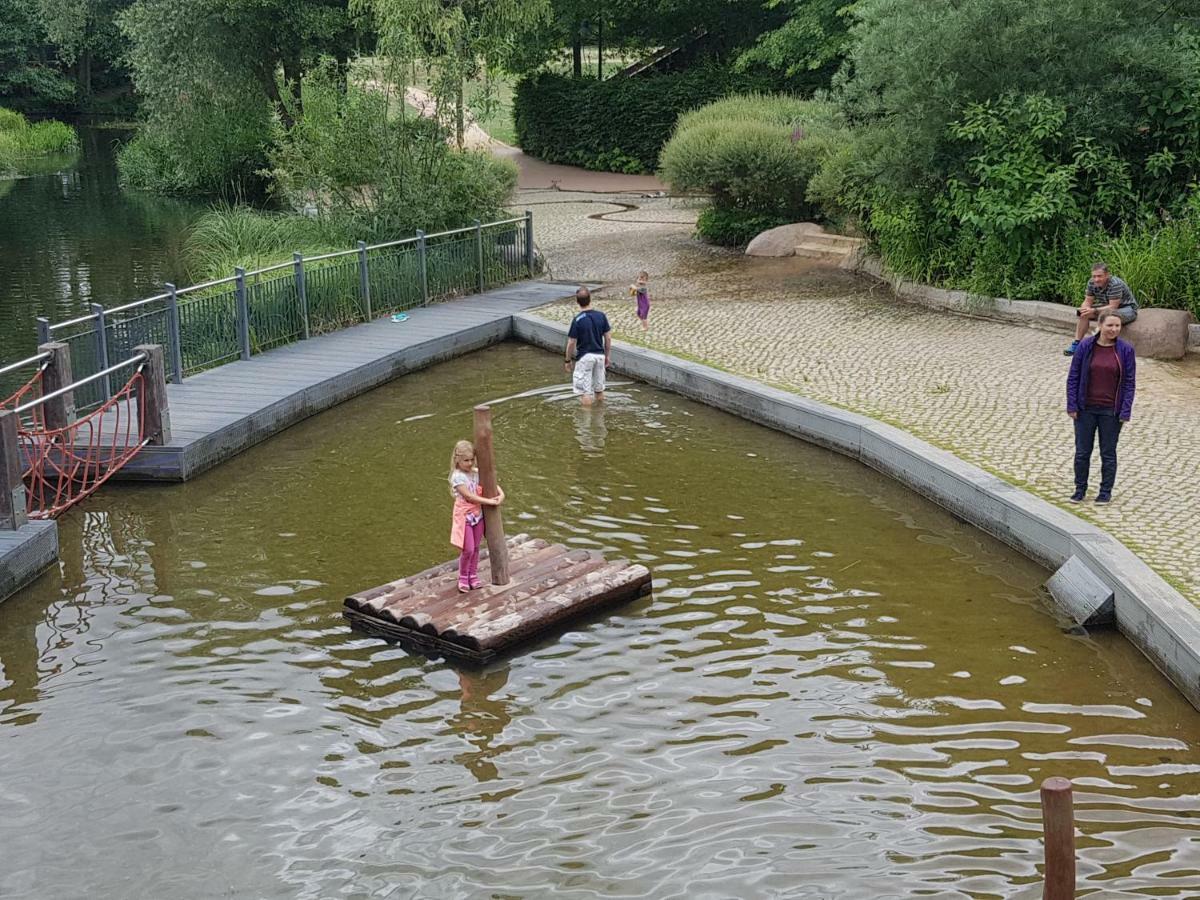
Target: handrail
x,y
205,285
322,256
33,360
470,228
135,304
54,326
411,240
33,404
168,299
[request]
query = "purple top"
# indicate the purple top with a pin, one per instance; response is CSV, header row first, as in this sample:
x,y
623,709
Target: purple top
x,y
1081,366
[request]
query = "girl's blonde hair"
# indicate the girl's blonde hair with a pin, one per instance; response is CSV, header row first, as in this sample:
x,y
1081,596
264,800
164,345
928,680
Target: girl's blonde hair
x,y
643,274
461,449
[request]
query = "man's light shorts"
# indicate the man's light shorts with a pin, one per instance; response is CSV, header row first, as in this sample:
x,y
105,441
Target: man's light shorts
x,y
589,374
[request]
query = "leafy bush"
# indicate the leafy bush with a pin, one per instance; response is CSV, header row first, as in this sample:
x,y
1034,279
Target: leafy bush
x,y
755,157
995,151
734,227
758,156
209,145
616,125
371,176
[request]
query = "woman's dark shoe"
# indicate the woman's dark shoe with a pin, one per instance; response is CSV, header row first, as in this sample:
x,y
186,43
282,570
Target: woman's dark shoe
x,y
1103,497
1077,497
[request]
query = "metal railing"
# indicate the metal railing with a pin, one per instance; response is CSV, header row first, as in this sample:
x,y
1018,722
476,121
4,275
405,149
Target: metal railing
x,y
207,325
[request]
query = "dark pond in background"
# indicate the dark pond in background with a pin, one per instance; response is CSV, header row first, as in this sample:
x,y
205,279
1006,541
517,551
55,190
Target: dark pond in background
x,y
836,689
71,236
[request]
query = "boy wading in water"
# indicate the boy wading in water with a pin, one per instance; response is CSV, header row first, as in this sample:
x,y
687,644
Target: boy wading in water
x,y
589,346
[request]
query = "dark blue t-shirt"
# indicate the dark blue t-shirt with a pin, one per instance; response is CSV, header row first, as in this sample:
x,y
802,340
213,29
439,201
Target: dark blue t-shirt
x,y
588,328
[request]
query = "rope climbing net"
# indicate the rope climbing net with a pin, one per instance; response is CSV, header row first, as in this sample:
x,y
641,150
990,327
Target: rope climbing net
x,y
62,466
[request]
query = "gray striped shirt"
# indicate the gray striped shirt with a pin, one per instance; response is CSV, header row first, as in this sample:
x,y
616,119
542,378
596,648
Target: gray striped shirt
x,y
1103,296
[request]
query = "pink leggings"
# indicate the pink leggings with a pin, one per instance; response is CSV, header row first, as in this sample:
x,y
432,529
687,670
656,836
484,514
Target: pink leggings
x,y
468,563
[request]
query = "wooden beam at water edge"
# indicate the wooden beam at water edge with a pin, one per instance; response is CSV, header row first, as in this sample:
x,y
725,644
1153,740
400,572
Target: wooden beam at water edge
x,y
548,585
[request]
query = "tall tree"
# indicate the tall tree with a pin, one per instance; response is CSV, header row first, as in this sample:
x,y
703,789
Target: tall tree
x,y
458,39
30,77
86,35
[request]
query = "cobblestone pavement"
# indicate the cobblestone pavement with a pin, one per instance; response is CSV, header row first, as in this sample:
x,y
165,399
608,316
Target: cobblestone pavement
x,y
992,393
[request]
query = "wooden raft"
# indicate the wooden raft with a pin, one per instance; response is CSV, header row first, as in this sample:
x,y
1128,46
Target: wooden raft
x,y
550,585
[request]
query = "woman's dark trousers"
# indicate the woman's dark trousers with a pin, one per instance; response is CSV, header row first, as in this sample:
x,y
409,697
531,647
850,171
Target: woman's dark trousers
x,y
1088,423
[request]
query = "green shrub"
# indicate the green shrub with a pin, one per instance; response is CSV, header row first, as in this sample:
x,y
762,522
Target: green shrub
x,y
229,236
209,146
375,177
616,125
755,156
11,120
21,141
760,158
734,227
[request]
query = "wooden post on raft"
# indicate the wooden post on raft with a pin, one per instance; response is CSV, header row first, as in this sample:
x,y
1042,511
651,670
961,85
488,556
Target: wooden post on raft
x,y
1058,827
493,521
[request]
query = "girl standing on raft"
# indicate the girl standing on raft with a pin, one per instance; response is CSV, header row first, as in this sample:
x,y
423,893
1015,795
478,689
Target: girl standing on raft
x,y
466,520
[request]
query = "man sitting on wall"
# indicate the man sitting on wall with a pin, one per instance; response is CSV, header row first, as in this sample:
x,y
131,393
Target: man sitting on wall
x,y
1105,293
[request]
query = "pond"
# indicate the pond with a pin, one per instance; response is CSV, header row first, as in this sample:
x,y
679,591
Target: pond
x,y
71,237
836,690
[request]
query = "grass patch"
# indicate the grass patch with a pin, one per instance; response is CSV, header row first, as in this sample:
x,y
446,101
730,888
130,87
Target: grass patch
x,y
229,236
21,141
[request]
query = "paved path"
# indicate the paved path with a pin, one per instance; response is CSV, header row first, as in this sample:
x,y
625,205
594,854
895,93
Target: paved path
x,y
990,392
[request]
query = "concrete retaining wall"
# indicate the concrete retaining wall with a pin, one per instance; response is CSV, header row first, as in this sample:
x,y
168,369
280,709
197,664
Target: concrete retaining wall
x,y
1024,312
25,554
1152,614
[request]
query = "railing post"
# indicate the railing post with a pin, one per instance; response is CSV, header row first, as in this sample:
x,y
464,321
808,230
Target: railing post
x,y
1058,828
301,290
479,252
243,312
174,336
102,348
423,266
152,396
364,279
12,488
529,241
43,328
59,412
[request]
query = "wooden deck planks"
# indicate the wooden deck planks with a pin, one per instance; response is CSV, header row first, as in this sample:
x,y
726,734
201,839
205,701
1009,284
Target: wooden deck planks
x,y
551,584
218,413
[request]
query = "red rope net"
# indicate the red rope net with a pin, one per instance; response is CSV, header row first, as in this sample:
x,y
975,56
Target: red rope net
x,y
63,466
28,391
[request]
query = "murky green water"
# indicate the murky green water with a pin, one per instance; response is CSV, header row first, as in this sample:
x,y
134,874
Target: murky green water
x,y
70,237
836,690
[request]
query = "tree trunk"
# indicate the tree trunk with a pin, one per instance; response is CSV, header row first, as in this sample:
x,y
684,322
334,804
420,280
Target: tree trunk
x,y
85,74
577,52
460,113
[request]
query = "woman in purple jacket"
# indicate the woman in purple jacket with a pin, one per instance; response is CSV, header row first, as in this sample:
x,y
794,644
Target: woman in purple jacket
x,y
1100,390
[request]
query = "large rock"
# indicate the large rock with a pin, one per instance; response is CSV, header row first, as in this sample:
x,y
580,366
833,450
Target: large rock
x,y
781,241
1159,333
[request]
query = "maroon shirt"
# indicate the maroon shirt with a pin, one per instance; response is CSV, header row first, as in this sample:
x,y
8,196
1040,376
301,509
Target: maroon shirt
x,y
1103,377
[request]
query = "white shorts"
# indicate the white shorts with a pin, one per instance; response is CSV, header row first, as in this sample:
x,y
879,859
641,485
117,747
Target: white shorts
x,y
589,374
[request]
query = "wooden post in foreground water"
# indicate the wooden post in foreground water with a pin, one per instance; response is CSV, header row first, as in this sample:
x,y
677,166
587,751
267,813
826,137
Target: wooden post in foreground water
x,y
493,521
1058,827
